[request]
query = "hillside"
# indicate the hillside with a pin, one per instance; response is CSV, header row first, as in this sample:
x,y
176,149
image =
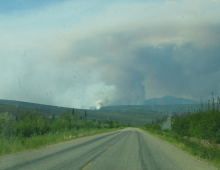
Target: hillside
x,y
133,116
169,100
32,106
155,108
166,100
136,114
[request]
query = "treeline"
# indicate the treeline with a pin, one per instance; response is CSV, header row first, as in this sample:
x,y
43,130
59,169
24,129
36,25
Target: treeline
x,y
29,124
197,132
201,124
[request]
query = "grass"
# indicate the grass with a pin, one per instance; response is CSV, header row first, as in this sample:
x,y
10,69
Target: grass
x,y
16,144
210,154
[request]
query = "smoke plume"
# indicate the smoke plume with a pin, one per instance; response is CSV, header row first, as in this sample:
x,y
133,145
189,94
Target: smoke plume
x,y
101,103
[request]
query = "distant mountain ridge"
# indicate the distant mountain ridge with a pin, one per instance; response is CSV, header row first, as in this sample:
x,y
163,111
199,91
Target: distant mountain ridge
x,y
169,100
166,100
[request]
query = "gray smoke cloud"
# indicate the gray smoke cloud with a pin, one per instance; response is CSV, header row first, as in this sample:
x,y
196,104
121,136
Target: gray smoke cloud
x,y
75,54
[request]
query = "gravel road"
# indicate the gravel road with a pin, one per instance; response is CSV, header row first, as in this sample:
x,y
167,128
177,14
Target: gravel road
x,y
128,149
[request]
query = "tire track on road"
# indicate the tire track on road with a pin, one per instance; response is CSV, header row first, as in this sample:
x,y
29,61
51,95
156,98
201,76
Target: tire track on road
x,y
94,153
144,152
19,166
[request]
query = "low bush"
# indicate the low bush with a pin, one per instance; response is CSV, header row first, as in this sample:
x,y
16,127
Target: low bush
x,y
30,130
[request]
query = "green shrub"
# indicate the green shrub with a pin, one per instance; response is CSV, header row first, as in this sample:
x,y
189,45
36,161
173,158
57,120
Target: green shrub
x,y
29,124
200,125
153,127
7,125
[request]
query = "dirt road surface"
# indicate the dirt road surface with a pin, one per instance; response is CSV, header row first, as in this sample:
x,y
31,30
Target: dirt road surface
x,y
127,149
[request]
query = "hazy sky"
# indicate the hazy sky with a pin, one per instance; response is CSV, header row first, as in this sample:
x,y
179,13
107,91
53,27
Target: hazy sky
x,y
75,53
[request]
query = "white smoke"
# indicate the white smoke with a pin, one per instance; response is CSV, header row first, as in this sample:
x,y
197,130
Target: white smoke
x,y
101,103
98,104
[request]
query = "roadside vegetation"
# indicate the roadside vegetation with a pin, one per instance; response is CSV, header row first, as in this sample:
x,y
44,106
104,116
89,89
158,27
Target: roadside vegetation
x,y
30,130
197,133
